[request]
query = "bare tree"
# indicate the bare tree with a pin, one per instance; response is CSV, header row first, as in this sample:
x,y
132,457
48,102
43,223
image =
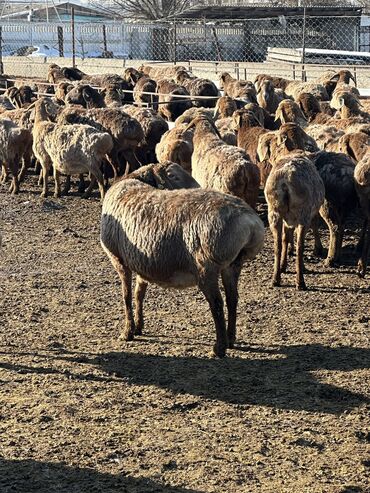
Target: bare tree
x,y
143,9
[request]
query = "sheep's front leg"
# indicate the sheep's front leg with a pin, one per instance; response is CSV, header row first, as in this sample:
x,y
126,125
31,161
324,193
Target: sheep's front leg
x,y
4,174
140,290
276,225
230,278
208,284
301,233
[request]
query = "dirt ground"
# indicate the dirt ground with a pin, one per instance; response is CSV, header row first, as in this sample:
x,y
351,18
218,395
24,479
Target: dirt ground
x,y
81,412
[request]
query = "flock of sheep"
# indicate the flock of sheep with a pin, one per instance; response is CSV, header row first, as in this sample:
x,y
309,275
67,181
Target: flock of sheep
x,y
190,217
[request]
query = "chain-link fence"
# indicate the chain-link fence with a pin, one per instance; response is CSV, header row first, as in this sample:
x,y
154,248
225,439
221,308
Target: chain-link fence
x,y
295,39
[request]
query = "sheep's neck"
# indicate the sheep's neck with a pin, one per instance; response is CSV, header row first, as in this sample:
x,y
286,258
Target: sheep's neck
x,y
346,112
40,115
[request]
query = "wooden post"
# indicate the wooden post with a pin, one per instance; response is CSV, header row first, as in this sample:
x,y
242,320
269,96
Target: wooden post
x,y
73,37
60,41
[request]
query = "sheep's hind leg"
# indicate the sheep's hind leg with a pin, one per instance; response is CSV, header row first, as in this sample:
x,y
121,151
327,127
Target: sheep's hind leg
x,y
276,225
140,290
288,239
125,275
230,278
318,250
362,263
208,284
301,233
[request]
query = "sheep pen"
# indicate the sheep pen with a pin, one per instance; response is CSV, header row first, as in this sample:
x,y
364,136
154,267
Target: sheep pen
x,y
82,412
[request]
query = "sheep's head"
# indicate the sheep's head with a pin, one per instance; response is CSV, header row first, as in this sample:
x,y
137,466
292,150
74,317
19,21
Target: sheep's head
x,y
203,125
355,145
288,111
291,136
245,119
62,90
181,76
265,144
266,89
349,100
224,78
259,80
225,107
131,75
247,94
309,104
72,73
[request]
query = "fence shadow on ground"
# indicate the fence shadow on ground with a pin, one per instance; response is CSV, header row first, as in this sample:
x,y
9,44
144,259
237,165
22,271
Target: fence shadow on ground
x,y
29,476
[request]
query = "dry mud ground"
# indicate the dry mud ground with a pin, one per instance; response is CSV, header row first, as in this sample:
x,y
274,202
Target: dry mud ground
x,y
286,411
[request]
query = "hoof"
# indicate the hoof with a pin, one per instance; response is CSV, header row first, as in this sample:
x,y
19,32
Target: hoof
x,y
329,262
276,284
57,195
302,287
43,195
138,331
219,352
231,344
361,270
85,196
127,337
318,252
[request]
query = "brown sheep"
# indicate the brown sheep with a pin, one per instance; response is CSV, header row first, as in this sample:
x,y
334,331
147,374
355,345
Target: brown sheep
x,y
166,175
176,145
179,238
171,106
198,87
161,72
289,111
153,125
249,129
86,96
269,98
220,166
294,193
238,89
225,107
125,131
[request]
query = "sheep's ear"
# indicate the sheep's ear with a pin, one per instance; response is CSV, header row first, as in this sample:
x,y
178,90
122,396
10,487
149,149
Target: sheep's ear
x,y
216,113
264,152
277,115
335,77
341,102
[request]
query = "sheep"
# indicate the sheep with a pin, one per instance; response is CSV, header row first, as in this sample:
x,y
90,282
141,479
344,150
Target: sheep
x,y
55,74
226,130
161,72
248,130
153,125
269,98
86,96
294,88
312,109
355,145
15,145
166,175
220,166
145,84
225,107
294,193
125,131
198,87
332,80
192,113
62,89
266,119
171,106
206,232
70,149
176,145
349,106
238,89
326,137
362,184
289,111
336,171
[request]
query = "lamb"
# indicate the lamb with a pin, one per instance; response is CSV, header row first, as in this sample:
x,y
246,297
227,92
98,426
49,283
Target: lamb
x,y
220,166
153,125
198,87
269,98
294,193
362,183
70,149
15,145
125,131
171,106
206,232
176,145
238,89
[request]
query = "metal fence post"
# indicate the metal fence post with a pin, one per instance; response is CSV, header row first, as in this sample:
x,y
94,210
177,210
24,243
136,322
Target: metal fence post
x,y
60,41
304,41
73,37
1,51
105,48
